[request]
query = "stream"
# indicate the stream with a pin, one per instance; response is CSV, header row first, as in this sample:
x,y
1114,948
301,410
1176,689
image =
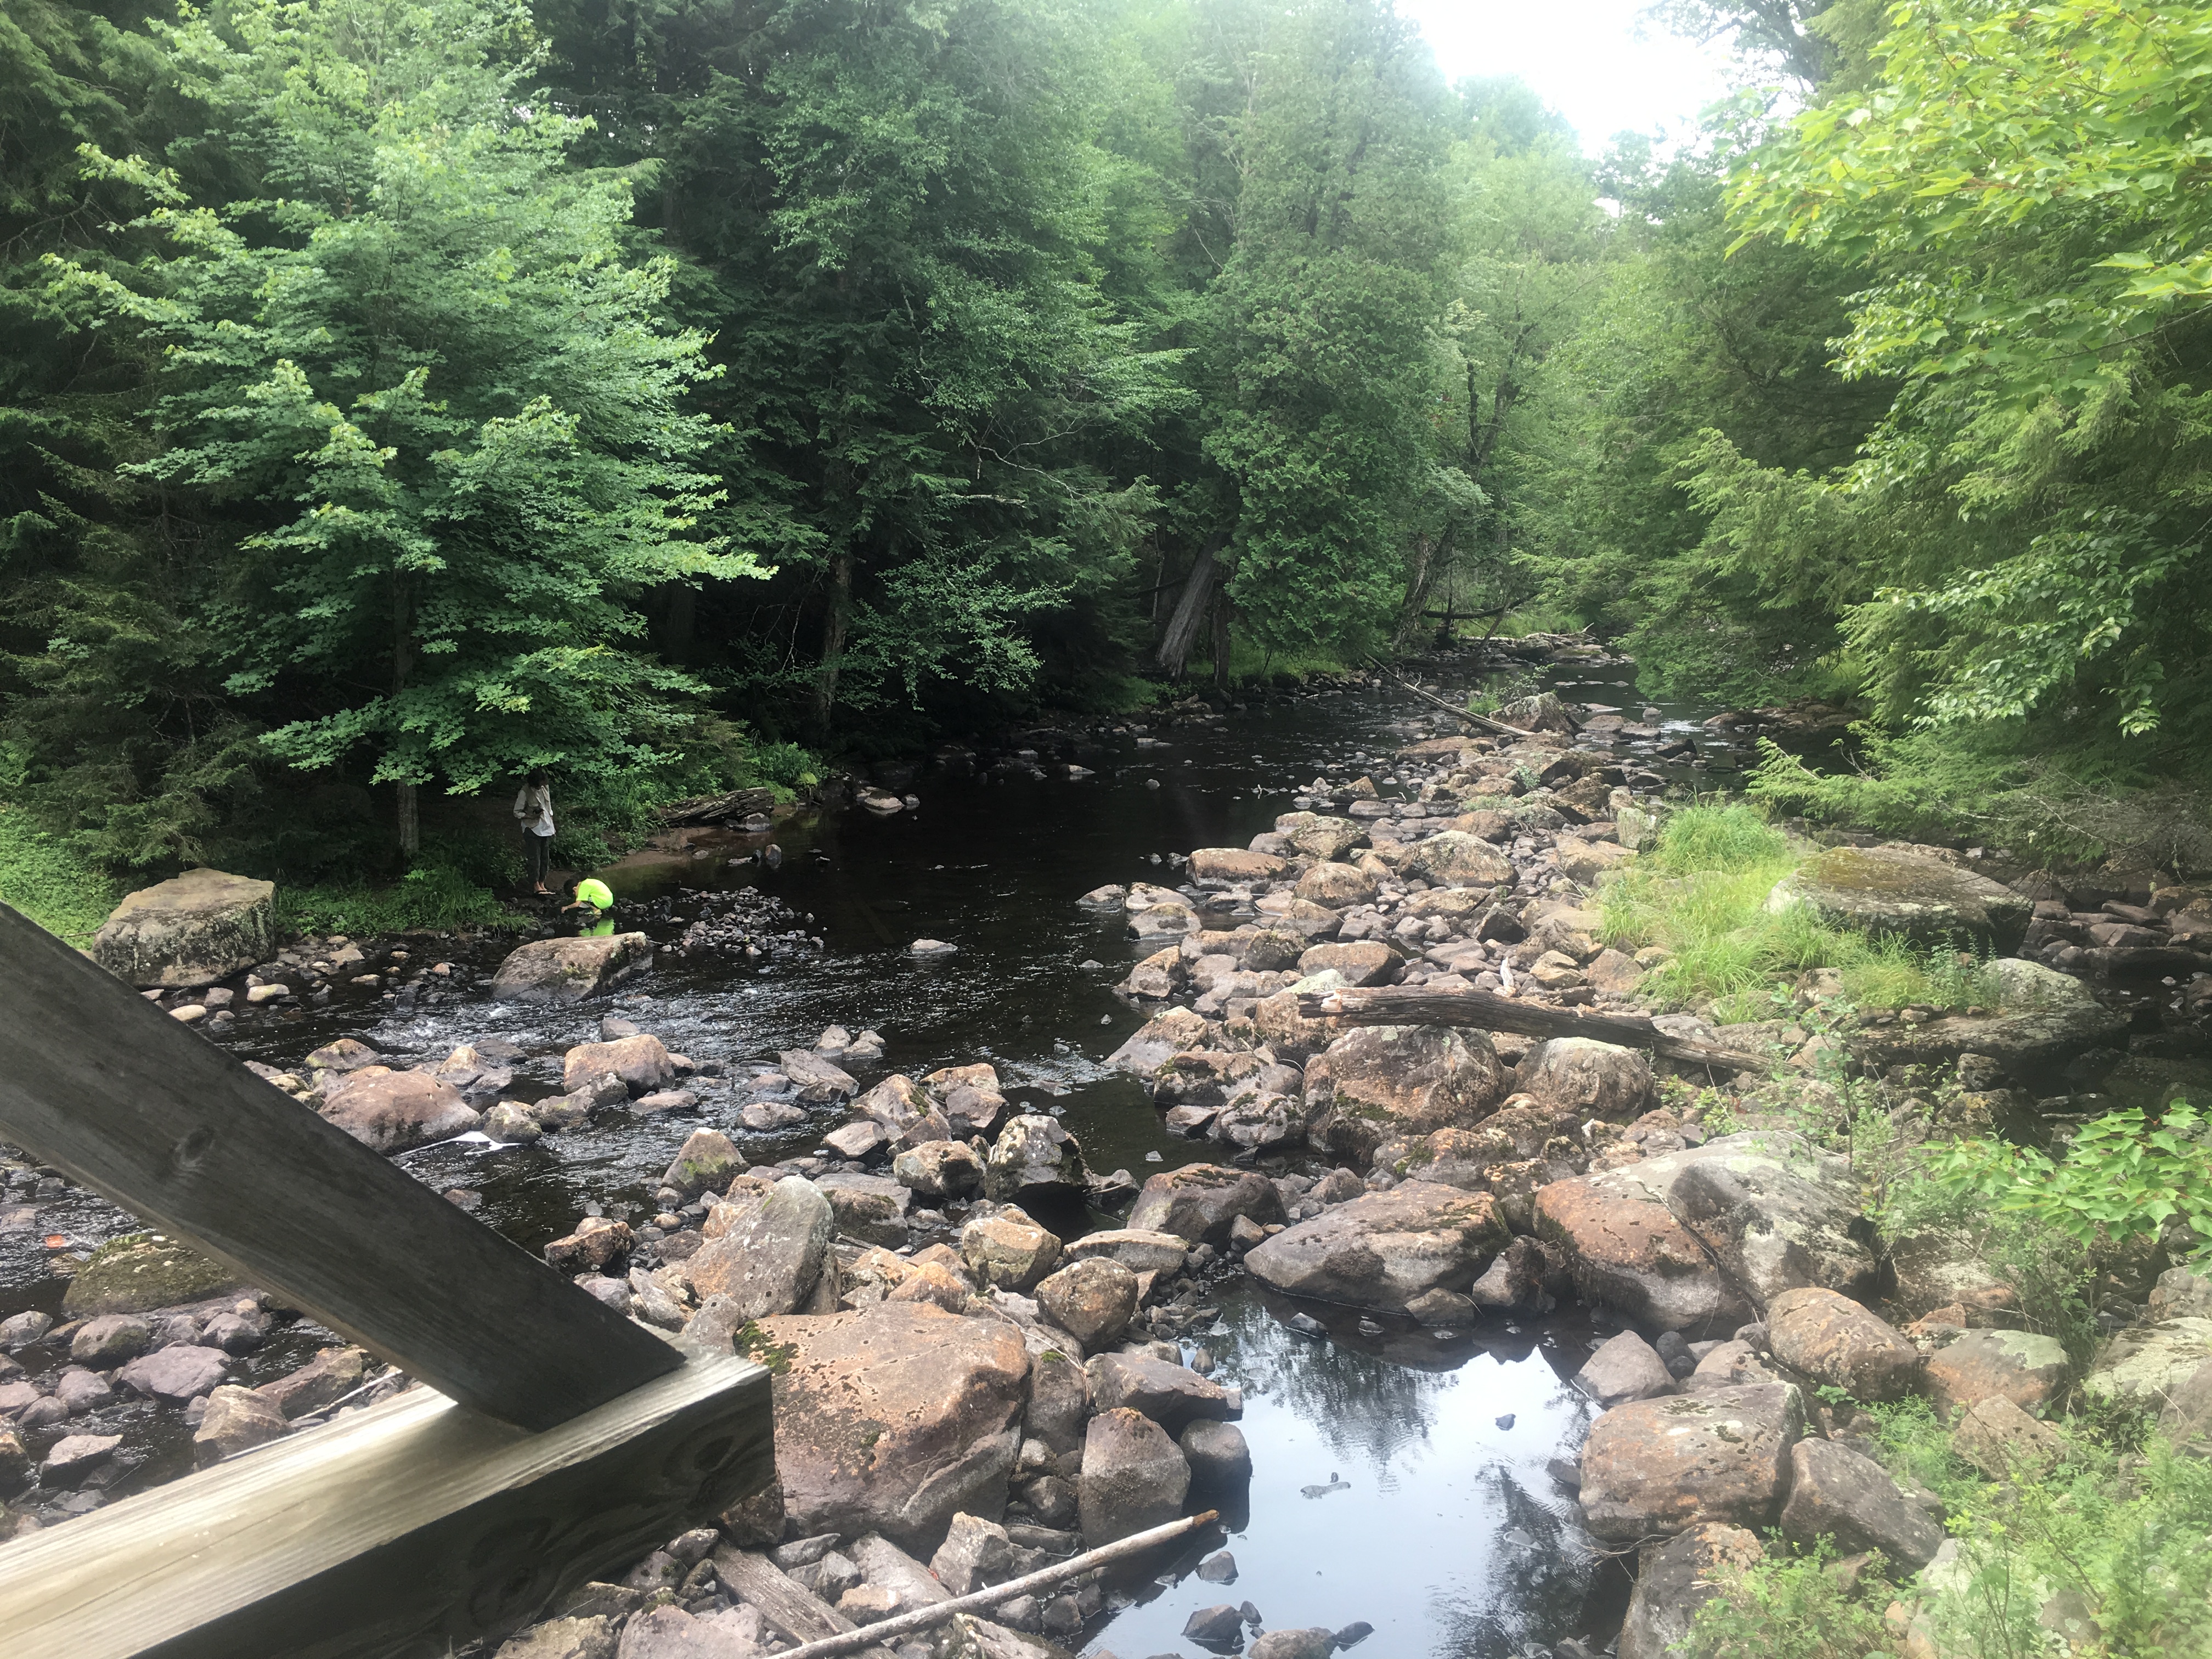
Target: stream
x,y
1400,1480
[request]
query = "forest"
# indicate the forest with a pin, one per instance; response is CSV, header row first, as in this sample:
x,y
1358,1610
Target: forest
x,y
398,396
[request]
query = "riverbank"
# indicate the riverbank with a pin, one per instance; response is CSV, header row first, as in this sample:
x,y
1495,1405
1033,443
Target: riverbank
x,y
914,1235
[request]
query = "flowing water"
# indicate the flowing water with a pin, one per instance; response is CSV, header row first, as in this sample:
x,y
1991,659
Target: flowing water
x,y
1399,1480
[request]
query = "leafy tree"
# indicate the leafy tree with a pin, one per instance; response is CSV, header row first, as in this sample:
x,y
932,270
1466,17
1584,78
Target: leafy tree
x,y
1319,361
2023,185
912,218
441,406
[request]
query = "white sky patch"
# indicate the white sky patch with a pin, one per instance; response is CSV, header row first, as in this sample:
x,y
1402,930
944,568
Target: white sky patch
x,y
1592,60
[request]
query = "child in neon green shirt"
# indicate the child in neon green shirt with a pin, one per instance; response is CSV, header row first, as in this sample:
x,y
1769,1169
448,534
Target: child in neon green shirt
x,y
592,903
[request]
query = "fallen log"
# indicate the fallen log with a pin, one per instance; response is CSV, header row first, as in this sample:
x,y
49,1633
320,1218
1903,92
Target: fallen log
x,y
717,809
1488,1012
1451,707
976,1602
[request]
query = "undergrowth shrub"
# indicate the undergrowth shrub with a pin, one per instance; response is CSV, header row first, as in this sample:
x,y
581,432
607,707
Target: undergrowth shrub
x,y
2124,1175
1788,1606
41,876
434,897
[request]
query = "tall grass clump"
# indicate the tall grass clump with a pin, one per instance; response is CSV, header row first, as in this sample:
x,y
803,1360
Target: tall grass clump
x,y
1700,895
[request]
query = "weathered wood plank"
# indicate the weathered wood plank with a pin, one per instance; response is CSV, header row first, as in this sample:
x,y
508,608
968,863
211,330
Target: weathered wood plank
x,y
793,1608
399,1534
1484,1010
101,1083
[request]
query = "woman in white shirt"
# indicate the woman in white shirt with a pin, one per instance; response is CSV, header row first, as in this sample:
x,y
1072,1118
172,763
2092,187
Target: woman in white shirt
x,y
533,811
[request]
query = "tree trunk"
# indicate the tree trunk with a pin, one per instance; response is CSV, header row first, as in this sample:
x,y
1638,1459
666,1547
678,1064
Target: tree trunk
x,y
1220,639
833,639
1190,610
679,619
406,808
1429,559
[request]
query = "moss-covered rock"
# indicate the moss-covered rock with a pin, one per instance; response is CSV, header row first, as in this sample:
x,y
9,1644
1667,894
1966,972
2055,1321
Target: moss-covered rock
x,y
192,930
1876,889
142,1271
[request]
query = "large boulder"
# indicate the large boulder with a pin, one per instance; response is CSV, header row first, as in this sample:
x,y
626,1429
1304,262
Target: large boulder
x,y
1624,1368
177,1375
2003,1442
2022,1366
2143,1365
1838,1493
1692,1237
1223,866
1395,1082
1833,1340
706,1159
1093,1300
236,1420
1363,961
1879,889
1200,1202
1384,1249
639,1062
1007,1250
2043,1018
871,1209
140,1271
1935,1268
1624,1248
569,970
1034,1158
895,1419
1456,859
1336,885
192,930
1172,1395
1589,1079
1134,1477
1153,1043
1674,1580
765,1246
1320,835
1139,1250
1778,1216
391,1111
1656,1467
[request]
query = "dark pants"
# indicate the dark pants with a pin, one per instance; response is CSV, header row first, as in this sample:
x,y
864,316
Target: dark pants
x,y
536,845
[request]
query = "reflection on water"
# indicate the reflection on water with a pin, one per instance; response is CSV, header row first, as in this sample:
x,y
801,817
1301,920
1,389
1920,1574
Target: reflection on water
x,y
1393,1492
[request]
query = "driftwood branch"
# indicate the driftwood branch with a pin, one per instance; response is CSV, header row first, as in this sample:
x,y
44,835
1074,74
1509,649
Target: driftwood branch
x,y
718,809
1485,1010
1450,707
1058,1572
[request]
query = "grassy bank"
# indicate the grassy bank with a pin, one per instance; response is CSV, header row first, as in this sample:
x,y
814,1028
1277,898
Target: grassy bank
x,y
41,876
1701,897
2111,1533
434,896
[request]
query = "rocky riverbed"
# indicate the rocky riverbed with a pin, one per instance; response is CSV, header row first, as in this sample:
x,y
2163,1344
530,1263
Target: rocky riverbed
x,y
1017,1311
